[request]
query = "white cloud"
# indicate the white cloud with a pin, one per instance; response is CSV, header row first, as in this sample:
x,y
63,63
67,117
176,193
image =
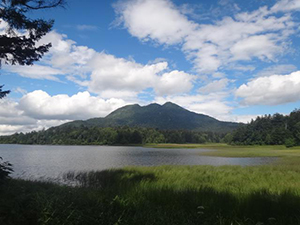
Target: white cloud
x,y
272,90
211,104
11,115
37,110
111,73
242,38
118,77
11,118
8,108
11,129
213,108
102,73
60,43
125,95
36,125
286,5
36,72
64,57
218,75
65,54
242,67
166,24
212,47
40,105
259,34
215,86
238,118
260,46
276,70
175,82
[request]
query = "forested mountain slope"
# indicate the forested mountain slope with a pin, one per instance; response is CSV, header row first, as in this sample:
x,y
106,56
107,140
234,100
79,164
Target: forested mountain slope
x,y
164,117
133,124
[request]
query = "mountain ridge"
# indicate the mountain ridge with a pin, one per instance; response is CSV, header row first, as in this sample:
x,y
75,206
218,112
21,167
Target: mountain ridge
x,y
168,116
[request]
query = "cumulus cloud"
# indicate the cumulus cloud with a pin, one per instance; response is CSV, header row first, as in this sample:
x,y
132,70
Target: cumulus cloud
x,y
102,73
40,105
64,58
212,108
122,78
114,73
260,34
213,104
166,24
12,119
175,82
37,110
65,54
271,90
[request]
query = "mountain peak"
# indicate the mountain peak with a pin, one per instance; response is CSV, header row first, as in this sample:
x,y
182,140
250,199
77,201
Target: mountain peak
x,y
168,116
169,104
153,104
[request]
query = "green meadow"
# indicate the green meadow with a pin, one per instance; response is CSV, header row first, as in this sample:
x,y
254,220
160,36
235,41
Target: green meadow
x,y
252,195
225,150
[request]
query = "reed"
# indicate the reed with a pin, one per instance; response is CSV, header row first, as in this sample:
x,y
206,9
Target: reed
x,y
159,195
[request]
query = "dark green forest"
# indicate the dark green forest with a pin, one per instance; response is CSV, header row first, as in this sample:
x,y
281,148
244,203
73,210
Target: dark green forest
x,y
274,129
68,135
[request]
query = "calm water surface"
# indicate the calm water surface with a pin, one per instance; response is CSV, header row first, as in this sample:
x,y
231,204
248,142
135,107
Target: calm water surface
x,y
43,161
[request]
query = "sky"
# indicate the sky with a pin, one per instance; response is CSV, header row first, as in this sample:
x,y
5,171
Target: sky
x,y
230,59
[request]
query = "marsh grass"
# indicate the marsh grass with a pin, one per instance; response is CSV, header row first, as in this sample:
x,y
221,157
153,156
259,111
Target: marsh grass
x,y
159,195
225,150
206,195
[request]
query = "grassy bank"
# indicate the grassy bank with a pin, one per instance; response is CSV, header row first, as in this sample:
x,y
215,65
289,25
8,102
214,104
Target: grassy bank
x,y
160,195
205,195
225,150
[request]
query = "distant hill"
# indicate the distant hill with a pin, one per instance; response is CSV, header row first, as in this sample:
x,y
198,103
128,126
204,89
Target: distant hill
x,y
132,124
165,117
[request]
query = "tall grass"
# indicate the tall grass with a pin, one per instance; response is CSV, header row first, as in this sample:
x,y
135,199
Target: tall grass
x,y
225,150
159,195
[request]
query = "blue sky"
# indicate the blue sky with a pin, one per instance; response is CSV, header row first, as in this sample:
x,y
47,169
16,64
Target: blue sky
x,y
230,59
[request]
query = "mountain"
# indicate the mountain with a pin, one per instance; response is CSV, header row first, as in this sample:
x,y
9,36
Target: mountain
x,y
165,117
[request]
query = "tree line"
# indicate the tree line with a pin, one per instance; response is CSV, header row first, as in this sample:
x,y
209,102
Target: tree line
x,y
67,135
274,129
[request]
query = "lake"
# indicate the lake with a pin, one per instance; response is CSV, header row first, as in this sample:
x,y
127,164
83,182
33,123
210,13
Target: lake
x,y
50,162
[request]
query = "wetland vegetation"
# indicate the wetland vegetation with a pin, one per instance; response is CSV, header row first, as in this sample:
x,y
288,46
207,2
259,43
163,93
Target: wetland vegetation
x,y
268,194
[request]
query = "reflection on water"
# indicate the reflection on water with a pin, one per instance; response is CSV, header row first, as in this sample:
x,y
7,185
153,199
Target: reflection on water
x,y
42,161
